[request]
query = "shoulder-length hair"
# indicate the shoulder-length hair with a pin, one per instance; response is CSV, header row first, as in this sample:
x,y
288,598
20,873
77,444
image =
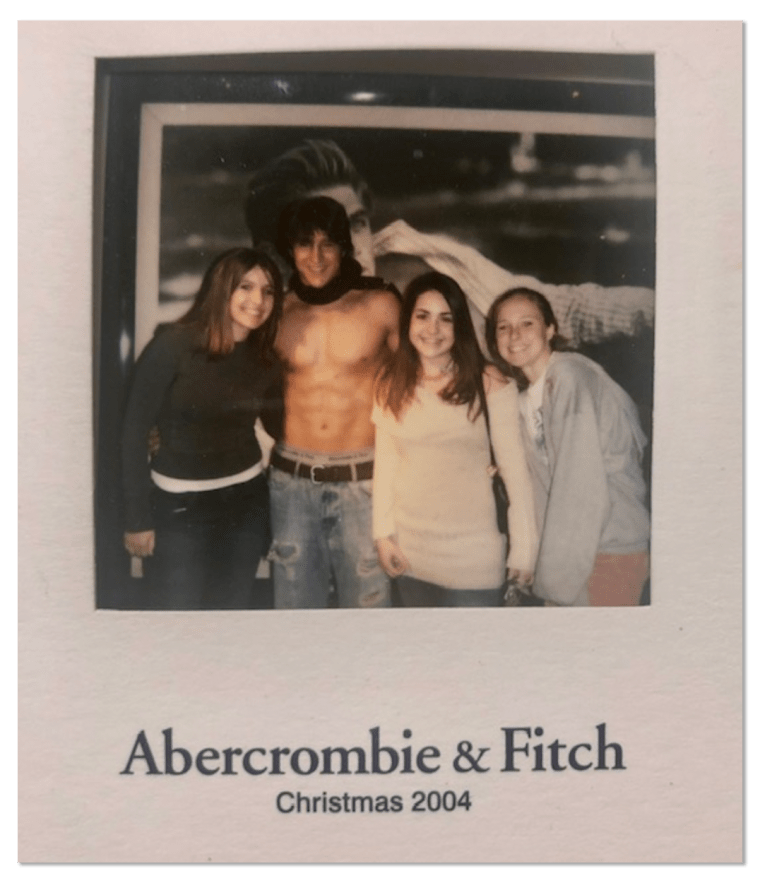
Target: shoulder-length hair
x,y
210,313
400,375
300,220
540,301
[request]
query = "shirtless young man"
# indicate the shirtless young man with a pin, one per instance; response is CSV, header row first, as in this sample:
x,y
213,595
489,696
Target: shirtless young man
x,y
336,330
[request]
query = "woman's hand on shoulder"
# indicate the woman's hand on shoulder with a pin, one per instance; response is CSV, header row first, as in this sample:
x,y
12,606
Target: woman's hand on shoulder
x,y
392,559
141,543
493,379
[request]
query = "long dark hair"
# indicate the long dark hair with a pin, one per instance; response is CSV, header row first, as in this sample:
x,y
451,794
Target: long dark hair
x,y
400,375
300,220
210,313
540,301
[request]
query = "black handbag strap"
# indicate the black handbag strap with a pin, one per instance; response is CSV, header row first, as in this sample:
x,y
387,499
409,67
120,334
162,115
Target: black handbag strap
x,y
488,421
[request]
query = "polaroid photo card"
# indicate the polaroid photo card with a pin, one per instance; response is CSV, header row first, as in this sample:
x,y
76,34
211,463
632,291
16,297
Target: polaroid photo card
x,y
312,290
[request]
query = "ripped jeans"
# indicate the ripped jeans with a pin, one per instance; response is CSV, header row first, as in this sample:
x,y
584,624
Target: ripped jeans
x,y
322,535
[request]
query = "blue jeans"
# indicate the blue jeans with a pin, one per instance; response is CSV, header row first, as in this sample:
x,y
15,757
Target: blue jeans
x,y
322,535
208,546
419,593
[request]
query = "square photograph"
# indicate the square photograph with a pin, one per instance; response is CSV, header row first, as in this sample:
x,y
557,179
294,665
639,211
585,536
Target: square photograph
x,y
333,446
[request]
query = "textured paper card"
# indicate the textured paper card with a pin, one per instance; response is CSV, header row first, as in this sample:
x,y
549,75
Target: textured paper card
x,y
435,694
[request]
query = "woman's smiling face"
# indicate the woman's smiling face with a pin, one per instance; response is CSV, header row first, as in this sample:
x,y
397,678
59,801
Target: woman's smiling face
x,y
251,303
431,330
523,337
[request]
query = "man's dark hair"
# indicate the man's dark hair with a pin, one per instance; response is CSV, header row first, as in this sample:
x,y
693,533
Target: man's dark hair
x,y
313,165
300,220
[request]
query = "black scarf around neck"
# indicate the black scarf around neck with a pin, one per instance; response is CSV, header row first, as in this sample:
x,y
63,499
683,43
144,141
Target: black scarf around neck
x,y
349,276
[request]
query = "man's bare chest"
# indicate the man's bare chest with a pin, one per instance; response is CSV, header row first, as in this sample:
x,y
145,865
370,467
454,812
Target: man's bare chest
x,y
312,339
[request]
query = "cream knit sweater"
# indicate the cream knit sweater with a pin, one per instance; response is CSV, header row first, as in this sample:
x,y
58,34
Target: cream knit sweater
x,y
432,490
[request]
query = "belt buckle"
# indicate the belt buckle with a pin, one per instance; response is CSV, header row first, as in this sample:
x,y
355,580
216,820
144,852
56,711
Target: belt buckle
x,y
314,479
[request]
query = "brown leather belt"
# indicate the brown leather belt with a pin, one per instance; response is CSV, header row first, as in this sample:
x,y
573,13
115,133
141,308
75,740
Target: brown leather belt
x,y
319,472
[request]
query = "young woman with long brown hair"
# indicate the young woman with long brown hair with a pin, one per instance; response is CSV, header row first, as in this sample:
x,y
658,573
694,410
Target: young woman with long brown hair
x,y
434,513
199,511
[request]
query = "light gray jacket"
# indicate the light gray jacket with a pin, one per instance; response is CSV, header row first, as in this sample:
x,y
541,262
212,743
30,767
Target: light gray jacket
x,y
591,496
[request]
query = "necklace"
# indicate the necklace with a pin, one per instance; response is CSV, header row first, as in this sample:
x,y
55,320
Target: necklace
x,y
444,372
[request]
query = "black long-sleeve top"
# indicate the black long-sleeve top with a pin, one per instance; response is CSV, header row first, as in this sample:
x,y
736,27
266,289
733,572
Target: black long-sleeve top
x,y
204,407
